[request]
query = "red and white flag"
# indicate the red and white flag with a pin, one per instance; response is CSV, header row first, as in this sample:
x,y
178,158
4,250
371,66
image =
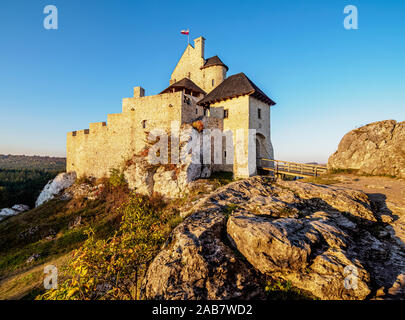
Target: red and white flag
x,y
185,32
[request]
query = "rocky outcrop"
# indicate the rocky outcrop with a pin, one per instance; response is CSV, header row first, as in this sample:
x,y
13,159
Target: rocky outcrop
x,y
55,186
198,264
82,190
327,241
169,180
377,148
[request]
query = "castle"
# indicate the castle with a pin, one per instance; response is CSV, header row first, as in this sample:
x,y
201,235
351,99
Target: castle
x,y
199,89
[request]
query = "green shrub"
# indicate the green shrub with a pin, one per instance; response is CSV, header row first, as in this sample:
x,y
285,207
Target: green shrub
x,y
113,268
116,178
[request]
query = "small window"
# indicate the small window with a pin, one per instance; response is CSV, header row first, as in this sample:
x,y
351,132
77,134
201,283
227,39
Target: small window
x,y
196,111
206,112
226,113
144,124
170,106
212,82
259,113
224,153
189,75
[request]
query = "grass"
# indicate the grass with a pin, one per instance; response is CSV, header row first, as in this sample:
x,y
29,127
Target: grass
x,y
324,179
221,178
230,209
26,234
28,284
361,174
284,290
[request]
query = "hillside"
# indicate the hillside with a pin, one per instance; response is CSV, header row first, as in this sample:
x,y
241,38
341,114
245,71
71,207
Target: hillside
x,y
86,213
23,177
22,162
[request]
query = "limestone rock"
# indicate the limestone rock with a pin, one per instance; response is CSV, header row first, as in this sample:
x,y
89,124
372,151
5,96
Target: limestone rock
x,y
33,258
82,190
170,180
324,239
377,148
14,210
55,186
197,264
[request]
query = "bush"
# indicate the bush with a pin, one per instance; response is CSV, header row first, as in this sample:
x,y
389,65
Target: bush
x,y
113,268
117,178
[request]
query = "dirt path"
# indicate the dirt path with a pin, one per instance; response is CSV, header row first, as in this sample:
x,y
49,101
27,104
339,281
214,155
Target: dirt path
x,y
389,196
387,192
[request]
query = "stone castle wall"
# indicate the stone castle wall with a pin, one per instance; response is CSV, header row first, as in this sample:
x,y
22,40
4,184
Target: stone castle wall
x,y
94,151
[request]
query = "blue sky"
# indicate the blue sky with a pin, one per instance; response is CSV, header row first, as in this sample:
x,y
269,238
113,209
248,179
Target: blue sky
x,y
325,79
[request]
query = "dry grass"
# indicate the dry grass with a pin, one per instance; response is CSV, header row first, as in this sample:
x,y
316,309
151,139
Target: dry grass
x,y
29,283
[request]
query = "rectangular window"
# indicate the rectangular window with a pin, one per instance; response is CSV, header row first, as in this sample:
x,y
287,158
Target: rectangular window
x,y
259,113
213,82
226,113
196,111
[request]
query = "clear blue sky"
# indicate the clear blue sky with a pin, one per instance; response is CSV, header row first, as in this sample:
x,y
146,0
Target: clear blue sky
x,y
326,80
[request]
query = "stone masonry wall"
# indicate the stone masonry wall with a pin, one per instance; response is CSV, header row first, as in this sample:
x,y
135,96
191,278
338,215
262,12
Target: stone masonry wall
x,y
94,151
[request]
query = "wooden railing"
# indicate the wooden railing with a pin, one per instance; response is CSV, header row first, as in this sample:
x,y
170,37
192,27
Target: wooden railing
x,y
291,168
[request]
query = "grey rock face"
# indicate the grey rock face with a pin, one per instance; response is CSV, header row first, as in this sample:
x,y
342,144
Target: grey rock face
x,y
323,239
377,148
170,180
61,182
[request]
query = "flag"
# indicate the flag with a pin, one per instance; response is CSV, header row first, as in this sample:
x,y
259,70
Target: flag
x,y
185,32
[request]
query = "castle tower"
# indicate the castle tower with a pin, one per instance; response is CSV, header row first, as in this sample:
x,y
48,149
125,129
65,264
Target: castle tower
x,y
206,73
199,45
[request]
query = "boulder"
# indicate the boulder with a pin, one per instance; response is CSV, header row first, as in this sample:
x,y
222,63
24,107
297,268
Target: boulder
x,y
324,240
377,149
55,186
197,264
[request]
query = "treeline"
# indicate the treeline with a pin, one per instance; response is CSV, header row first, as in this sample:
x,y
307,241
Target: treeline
x,y
32,162
23,177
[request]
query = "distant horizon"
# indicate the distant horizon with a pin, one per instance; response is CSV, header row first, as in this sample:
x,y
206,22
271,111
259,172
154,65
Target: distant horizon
x,y
64,157
325,79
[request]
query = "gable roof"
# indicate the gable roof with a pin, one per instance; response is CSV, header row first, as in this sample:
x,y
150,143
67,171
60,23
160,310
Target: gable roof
x,y
184,83
214,61
234,86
